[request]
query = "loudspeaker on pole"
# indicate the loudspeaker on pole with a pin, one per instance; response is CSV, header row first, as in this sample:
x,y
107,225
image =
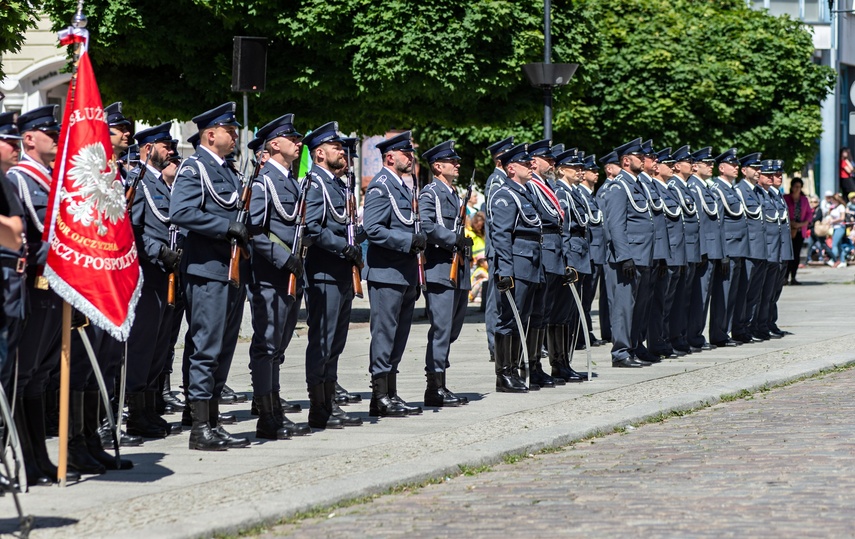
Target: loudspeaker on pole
x,y
249,64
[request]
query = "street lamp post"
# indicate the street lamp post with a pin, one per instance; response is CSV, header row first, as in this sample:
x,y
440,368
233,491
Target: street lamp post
x,y
547,75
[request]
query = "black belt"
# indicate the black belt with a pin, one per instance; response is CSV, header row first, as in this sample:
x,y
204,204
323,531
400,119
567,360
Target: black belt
x,y
577,234
529,236
551,230
17,264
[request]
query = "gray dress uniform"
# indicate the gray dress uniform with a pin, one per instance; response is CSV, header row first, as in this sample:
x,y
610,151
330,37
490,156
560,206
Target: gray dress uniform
x,y
691,232
274,216
659,326
772,216
787,255
204,202
597,251
629,232
725,286
491,309
392,268
661,253
439,208
750,286
554,260
711,252
329,288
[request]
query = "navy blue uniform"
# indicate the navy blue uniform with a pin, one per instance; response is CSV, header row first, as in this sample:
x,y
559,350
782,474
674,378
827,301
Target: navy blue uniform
x,y
491,307
711,252
391,268
774,230
787,255
597,251
439,208
629,232
554,258
750,285
692,237
735,236
665,289
204,202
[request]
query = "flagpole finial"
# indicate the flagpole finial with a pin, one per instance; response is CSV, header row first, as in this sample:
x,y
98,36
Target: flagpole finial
x,y
79,20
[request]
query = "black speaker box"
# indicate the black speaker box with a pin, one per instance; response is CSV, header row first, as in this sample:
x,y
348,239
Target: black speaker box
x,y
249,64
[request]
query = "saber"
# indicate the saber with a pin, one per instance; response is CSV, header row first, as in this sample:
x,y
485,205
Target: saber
x,y
122,384
14,442
519,325
584,323
103,387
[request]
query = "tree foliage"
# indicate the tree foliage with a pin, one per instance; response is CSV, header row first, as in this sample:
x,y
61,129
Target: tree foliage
x,y
700,72
16,17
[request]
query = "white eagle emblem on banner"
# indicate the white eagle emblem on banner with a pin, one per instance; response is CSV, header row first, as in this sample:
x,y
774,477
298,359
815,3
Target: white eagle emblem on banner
x,y
99,196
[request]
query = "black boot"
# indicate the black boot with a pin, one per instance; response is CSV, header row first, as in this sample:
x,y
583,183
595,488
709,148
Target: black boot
x,y
52,412
268,427
505,383
435,397
297,429
151,409
513,360
335,410
232,442
228,396
381,405
34,410
91,407
534,344
461,398
170,398
186,415
343,396
78,451
139,422
202,437
573,376
556,335
392,384
35,475
536,375
320,417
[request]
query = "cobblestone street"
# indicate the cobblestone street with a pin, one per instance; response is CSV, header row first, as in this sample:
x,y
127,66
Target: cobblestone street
x,y
780,463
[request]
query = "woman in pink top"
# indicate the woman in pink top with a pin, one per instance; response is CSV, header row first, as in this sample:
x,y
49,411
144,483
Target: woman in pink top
x,y
800,218
847,171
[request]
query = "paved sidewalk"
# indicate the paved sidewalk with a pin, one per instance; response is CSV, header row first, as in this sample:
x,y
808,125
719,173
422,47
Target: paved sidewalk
x,y
779,464
174,492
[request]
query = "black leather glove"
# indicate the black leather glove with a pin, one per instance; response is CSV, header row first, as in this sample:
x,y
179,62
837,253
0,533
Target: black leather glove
x,y
419,243
570,275
78,319
463,242
628,269
504,283
237,231
169,257
352,253
663,268
724,267
704,259
294,265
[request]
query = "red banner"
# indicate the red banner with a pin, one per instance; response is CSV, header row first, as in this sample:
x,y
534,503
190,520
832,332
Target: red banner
x,y
92,262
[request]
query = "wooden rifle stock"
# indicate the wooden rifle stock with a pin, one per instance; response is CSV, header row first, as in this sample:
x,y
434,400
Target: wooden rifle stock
x,y
131,193
172,282
240,251
356,270
457,259
417,225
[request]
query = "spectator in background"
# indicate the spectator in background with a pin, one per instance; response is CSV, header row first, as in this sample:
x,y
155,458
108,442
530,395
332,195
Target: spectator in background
x,y
837,219
826,202
847,171
817,249
475,230
472,205
801,215
479,276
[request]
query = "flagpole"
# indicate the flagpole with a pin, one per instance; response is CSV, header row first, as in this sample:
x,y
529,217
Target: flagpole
x,y
78,21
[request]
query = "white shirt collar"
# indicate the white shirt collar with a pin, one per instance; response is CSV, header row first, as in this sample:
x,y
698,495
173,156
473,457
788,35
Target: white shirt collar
x,y
585,187
400,181
285,171
46,170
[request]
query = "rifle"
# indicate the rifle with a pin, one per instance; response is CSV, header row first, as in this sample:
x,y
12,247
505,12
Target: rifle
x,y
297,247
131,193
457,258
350,199
240,251
172,283
417,227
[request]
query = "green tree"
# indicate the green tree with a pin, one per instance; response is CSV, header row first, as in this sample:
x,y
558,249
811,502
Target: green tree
x,y
699,72
16,17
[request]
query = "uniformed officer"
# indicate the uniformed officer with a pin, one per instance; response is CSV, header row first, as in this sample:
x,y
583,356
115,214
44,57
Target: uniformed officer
x,y
516,264
611,166
712,252
148,342
593,279
557,270
682,171
120,135
735,229
446,300
563,330
205,202
787,253
395,244
274,217
750,284
661,251
774,230
629,232
329,263
665,288
496,179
